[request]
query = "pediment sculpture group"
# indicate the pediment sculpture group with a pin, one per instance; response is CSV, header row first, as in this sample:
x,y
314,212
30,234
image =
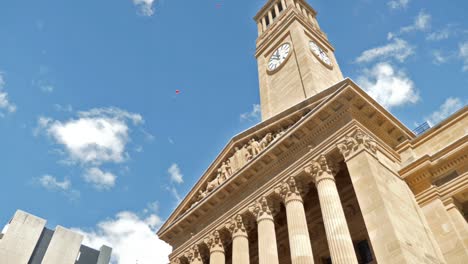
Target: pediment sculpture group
x,y
242,156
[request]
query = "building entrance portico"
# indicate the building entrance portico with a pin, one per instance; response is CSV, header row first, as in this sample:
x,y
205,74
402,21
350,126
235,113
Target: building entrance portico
x,y
286,225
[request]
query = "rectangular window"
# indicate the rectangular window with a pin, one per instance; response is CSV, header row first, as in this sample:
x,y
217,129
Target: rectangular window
x,y
273,13
280,7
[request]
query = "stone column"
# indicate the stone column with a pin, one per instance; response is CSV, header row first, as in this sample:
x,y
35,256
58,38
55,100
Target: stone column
x,y
267,247
336,228
264,24
240,241
283,3
277,10
260,27
193,255
216,247
299,241
311,18
270,16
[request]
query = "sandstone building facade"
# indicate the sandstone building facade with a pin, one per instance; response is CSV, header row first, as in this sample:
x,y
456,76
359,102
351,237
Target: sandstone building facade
x,y
329,175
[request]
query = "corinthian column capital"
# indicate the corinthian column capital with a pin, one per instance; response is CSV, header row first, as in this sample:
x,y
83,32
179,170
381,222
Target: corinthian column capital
x,y
289,191
193,255
175,261
358,139
214,242
261,209
320,169
236,226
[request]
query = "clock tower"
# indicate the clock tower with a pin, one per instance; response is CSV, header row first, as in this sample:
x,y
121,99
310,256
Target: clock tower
x,y
295,59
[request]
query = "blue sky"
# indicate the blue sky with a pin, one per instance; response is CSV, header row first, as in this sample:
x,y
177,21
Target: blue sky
x,y
93,135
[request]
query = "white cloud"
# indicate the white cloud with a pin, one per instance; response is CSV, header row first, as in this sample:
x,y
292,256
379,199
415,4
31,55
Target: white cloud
x,y
47,88
421,23
439,57
175,173
399,49
63,108
5,104
440,34
146,7
388,86
463,53
450,106
253,115
51,183
95,137
100,179
132,238
397,4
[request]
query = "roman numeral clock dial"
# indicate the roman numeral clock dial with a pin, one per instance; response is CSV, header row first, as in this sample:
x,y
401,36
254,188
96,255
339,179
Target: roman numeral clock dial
x,y
320,54
278,57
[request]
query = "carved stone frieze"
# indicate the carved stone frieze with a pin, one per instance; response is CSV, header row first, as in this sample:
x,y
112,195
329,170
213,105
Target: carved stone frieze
x,y
236,226
289,190
356,140
242,156
214,242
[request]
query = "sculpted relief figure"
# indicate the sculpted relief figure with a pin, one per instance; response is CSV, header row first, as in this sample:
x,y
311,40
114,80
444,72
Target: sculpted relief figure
x,y
253,148
212,185
266,141
242,155
239,159
280,133
201,195
225,170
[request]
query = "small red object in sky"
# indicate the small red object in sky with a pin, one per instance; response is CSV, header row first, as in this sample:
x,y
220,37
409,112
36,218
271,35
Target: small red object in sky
x,y
177,91
218,5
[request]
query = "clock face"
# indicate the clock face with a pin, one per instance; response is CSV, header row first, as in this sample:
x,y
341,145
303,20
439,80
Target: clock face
x,y
320,53
279,56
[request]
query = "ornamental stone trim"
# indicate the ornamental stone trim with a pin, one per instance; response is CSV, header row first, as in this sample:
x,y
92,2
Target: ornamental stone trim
x,y
193,255
356,141
289,191
261,209
236,227
214,242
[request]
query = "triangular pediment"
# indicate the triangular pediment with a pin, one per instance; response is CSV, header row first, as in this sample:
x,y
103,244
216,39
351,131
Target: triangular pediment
x,y
256,148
